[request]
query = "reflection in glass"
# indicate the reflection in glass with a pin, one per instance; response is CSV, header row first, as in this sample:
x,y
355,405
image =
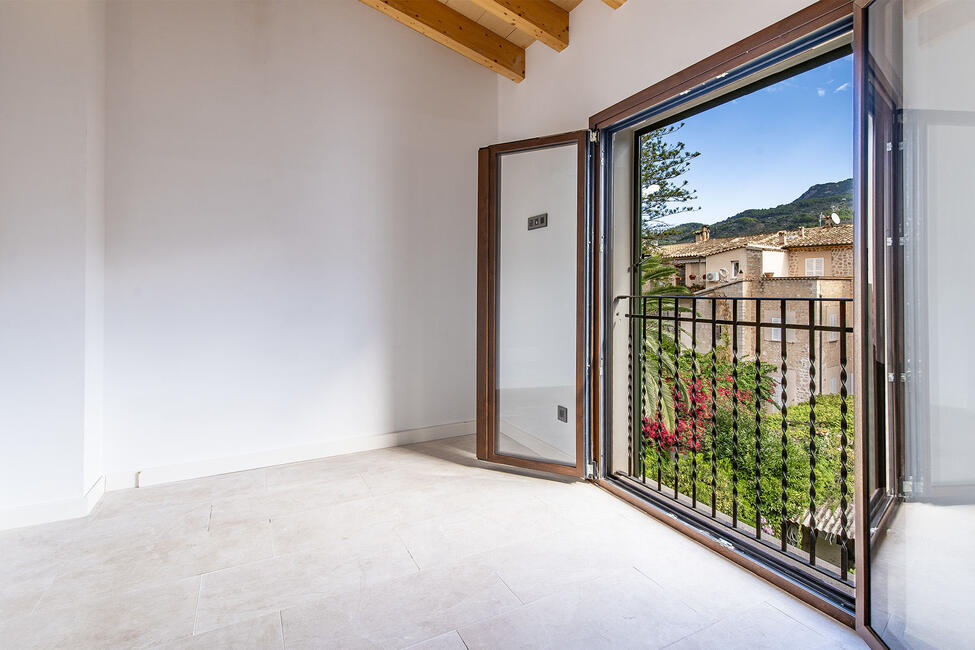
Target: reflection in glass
x,y
537,305
922,564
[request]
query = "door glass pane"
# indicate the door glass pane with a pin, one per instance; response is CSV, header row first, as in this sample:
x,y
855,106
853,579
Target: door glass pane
x,y
537,222
922,565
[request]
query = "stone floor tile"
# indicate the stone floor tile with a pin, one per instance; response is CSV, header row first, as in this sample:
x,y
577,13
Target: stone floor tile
x,y
399,612
623,610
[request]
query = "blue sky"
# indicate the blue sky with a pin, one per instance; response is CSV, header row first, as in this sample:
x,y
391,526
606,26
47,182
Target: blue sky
x,y
768,147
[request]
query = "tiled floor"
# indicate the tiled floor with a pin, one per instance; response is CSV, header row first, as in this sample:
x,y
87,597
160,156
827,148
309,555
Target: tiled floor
x,y
417,546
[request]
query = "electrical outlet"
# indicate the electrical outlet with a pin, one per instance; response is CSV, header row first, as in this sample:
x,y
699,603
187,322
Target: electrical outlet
x,y
538,221
563,414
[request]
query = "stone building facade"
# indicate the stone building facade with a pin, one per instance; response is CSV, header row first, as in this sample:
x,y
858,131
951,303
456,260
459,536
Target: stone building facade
x,y
826,251
771,270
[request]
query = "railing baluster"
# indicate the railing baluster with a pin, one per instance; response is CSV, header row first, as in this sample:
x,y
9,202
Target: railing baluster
x,y
660,389
844,549
734,413
784,397
758,418
643,387
676,431
693,405
630,459
678,441
714,408
812,434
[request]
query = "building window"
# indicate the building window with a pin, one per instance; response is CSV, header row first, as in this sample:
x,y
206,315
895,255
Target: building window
x,y
834,321
735,268
815,266
775,334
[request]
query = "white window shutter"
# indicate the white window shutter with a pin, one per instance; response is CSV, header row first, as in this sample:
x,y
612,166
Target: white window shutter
x,y
815,266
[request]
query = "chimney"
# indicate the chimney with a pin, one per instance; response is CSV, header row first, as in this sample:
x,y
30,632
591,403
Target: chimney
x,y
802,231
781,235
703,234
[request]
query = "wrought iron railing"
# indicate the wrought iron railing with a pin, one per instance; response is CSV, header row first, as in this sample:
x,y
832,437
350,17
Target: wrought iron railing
x,y
739,413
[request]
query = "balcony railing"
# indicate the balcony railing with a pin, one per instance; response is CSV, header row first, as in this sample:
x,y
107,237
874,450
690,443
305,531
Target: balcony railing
x,y
740,415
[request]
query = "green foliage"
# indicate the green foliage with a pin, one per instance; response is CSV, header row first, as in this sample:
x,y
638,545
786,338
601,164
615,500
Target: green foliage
x,y
762,481
661,360
656,277
662,164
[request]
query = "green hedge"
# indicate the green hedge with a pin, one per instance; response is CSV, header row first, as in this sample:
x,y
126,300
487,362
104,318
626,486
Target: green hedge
x,y
766,474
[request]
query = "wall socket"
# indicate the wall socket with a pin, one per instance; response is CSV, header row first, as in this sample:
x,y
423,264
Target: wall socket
x,y
563,414
538,221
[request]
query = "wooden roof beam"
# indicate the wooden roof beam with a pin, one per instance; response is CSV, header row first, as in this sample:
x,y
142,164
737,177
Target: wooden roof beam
x,y
458,32
543,19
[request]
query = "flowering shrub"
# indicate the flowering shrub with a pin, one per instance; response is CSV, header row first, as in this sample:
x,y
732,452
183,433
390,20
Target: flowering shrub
x,y
695,409
702,439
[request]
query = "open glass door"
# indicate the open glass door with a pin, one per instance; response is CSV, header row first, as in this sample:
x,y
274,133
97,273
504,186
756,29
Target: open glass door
x,y
914,560
531,303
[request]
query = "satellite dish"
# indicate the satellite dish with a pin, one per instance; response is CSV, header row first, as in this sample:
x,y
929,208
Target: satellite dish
x,y
723,272
835,218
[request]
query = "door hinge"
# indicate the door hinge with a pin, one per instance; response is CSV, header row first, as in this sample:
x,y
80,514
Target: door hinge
x,y
890,241
889,146
593,135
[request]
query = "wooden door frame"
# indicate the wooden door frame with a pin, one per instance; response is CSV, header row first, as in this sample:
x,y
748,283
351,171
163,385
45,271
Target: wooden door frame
x,y
487,300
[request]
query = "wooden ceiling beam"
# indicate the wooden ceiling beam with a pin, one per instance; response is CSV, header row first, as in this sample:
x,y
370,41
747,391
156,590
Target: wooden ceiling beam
x,y
615,4
458,32
543,19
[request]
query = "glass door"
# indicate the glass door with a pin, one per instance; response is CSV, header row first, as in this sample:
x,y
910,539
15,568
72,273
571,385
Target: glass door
x,y
914,560
531,303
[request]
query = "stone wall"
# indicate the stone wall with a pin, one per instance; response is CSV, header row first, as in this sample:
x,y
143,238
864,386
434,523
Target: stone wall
x,y
837,260
842,257
826,345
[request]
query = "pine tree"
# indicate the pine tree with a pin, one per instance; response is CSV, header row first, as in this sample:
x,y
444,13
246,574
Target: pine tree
x,y
662,164
663,194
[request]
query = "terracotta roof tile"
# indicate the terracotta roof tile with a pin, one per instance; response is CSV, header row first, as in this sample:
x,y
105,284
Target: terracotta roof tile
x,y
716,245
841,235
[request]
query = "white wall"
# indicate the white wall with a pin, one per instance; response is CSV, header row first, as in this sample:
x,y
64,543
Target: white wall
x,y
291,230
775,262
51,111
613,54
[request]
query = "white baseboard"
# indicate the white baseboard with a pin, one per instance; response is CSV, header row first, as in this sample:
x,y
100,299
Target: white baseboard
x,y
213,467
81,506
42,513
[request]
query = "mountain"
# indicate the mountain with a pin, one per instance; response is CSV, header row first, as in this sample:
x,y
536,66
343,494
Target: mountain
x,y
824,198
